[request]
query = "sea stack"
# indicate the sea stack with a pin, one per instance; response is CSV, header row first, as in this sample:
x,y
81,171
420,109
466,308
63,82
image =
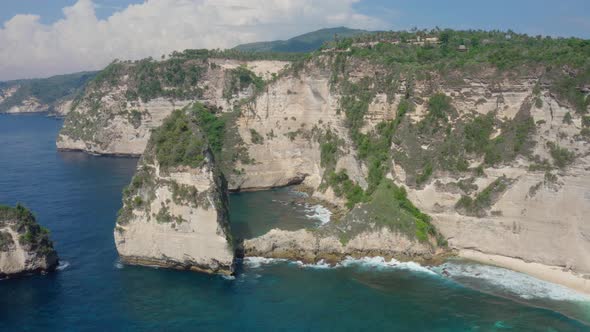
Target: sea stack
x,y
25,246
174,211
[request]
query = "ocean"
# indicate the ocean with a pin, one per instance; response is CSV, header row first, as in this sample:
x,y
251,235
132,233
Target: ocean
x,y
77,197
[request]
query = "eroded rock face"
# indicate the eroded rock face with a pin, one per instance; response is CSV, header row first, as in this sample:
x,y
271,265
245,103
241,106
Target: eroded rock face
x,y
536,215
24,245
541,216
116,114
311,247
175,212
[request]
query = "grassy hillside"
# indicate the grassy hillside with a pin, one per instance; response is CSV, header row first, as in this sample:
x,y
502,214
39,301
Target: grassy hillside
x,y
304,43
46,90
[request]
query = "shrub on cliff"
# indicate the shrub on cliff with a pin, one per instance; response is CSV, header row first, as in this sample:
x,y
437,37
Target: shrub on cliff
x,y
179,142
31,234
562,157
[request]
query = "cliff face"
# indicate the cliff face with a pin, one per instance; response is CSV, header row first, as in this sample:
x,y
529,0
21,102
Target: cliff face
x,y
120,108
507,172
53,94
540,215
488,156
24,245
175,209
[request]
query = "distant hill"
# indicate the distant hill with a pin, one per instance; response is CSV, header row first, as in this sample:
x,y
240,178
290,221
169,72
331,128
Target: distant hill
x,y
47,91
308,42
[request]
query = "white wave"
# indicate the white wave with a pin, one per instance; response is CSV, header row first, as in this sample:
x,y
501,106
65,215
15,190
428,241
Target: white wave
x,y
62,265
255,262
118,264
376,263
511,282
380,263
298,193
321,264
318,212
226,277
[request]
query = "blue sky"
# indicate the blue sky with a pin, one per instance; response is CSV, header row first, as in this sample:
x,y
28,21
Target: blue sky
x,y
41,38
556,18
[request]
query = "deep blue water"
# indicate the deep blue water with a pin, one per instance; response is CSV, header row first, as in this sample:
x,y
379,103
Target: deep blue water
x,y
77,197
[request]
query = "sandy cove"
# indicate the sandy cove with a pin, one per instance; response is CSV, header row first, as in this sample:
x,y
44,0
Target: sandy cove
x,y
554,274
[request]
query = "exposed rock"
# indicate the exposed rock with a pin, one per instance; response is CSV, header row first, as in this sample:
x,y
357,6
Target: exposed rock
x,y
24,245
52,94
116,113
310,247
175,209
282,128
29,105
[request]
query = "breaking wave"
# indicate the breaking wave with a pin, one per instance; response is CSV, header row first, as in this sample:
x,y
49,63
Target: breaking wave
x,y
256,262
318,212
373,263
62,265
496,279
380,263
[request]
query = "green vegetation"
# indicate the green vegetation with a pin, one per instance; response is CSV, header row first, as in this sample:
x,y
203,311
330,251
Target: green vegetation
x,y
212,124
439,111
567,118
562,157
329,150
389,206
179,142
483,200
31,234
565,61
343,186
6,241
45,90
240,79
245,55
164,216
186,135
255,137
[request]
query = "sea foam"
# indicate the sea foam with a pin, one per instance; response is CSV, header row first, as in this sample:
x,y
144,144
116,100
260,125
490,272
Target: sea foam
x,y
380,263
256,262
508,281
62,265
318,212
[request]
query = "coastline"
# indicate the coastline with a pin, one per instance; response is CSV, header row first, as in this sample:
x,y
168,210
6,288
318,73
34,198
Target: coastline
x,y
553,274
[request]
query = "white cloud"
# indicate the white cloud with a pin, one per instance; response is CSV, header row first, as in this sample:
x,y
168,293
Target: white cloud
x,y
80,41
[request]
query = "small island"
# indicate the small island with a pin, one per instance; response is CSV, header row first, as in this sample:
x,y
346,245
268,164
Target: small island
x,y
25,246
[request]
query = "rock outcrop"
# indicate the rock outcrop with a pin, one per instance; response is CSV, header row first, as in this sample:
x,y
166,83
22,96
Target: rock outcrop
x,y
489,151
386,225
175,209
24,245
119,109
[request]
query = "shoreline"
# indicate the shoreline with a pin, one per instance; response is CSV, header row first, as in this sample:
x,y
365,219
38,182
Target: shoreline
x,y
553,274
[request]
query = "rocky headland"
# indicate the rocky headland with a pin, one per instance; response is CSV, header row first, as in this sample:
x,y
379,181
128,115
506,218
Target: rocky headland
x,y
447,150
175,209
25,246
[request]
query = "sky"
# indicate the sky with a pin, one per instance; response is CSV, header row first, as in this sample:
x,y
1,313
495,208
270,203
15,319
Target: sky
x,y
40,38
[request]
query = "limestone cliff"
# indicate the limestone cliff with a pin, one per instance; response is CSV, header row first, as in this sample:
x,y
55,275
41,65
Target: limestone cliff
x,y
175,209
24,245
126,101
492,146
504,170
